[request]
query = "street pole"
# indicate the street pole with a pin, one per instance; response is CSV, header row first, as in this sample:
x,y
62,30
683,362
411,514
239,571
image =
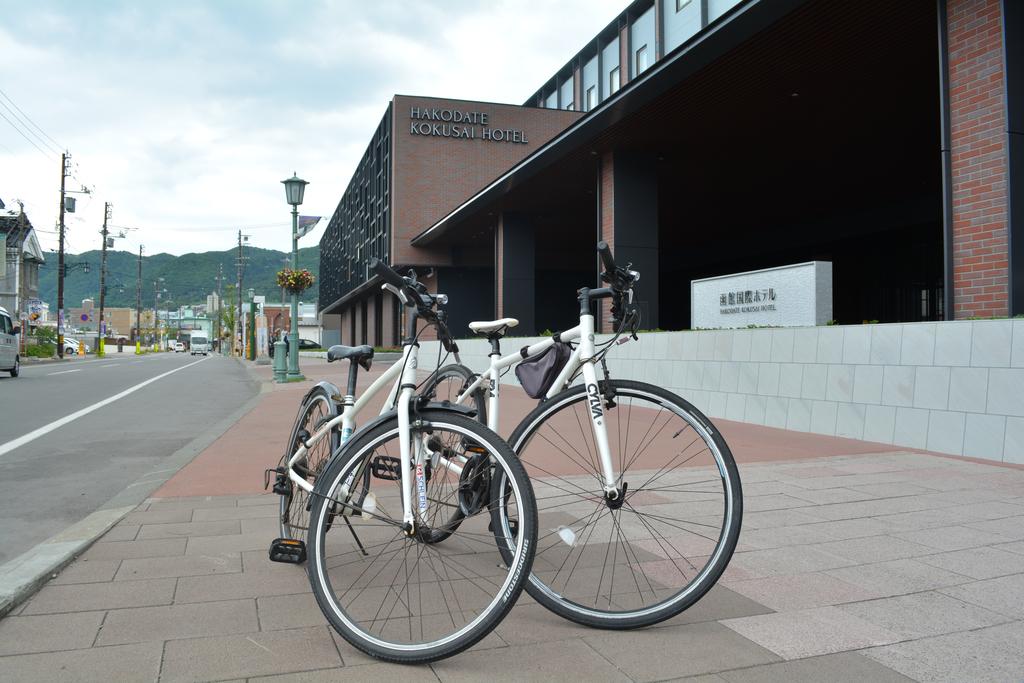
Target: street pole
x,y
138,306
60,259
100,350
238,291
220,279
293,348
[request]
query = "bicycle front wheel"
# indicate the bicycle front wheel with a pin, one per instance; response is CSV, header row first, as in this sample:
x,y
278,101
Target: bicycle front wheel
x,y
316,410
658,549
402,596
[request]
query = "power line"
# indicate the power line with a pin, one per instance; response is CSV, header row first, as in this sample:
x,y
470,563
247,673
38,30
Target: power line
x,y
30,141
58,147
25,126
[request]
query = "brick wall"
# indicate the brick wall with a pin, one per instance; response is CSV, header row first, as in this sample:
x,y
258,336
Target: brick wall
x,y
432,175
979,158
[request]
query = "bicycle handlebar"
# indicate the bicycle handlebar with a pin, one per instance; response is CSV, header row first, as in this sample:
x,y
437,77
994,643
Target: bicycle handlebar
x,y
606,256
387,274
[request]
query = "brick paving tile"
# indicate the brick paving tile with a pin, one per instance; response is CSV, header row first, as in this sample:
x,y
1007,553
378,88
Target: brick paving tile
x,y
159,516
989,654
189,529
125,550
696,649
235,543
143,624
874,549
192,503
24,635
809,632
920,615
248,512
185,565
949,538
245,585
797,560
535,662
1014,547
1010,528
1004,595
97,596
268,498
279,612
368,673
270,527
122,532
842,667
897,577
121,663
87,571
254,654
800,591
978,563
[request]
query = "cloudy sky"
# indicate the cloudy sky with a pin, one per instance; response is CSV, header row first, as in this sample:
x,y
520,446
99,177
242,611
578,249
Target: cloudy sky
x,y
187,115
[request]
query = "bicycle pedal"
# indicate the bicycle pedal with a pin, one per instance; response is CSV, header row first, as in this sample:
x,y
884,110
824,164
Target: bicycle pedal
x,y
387,468
287,550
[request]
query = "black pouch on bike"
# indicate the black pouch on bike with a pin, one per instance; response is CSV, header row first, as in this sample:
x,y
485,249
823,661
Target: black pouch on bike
x,y
537,374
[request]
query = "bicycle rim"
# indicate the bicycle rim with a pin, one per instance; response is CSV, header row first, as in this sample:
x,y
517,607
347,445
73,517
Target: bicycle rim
x,y
676,528
410,598
295,504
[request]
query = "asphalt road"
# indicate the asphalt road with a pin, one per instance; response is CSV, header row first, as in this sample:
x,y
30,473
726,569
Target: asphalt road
x,y
55,480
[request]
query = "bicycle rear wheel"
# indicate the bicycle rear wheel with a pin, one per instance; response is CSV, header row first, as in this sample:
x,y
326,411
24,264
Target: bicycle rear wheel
x,y
665,542
317,409
402,597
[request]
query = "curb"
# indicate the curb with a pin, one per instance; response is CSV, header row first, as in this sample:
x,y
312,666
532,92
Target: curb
x,y
21,577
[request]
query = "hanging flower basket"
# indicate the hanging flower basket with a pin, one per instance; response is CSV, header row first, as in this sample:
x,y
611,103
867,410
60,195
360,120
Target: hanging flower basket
x,y
295,280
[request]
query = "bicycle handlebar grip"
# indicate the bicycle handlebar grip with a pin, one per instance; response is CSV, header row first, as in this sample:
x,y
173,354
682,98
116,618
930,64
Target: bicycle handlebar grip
x,y
606,256
387,274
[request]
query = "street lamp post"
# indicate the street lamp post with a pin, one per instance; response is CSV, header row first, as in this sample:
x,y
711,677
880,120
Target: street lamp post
x,y
294,189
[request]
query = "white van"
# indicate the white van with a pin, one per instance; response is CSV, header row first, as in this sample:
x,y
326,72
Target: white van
x,y
198,342
10,360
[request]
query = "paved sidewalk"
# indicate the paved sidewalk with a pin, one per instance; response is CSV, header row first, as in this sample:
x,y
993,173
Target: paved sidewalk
x,y
858,565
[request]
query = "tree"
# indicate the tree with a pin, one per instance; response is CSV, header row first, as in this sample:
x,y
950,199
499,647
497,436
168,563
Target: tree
x,y
228,314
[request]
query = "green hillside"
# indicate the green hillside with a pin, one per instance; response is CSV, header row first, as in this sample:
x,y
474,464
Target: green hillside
x,y
188,278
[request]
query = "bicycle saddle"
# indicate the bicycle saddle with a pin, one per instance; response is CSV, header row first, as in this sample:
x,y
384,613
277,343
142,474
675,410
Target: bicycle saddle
x,y
359,354
493,327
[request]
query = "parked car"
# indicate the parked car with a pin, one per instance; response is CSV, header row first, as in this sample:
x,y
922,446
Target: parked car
x,y
10,360
305,344
71,346
179,347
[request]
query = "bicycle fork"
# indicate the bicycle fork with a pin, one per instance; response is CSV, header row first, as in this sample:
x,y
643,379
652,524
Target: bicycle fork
x,y
613,492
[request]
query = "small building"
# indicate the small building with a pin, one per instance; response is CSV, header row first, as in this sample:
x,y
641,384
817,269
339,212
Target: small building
x,y
19,269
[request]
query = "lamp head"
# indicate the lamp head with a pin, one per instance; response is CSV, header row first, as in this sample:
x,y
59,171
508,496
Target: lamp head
x,y
294,189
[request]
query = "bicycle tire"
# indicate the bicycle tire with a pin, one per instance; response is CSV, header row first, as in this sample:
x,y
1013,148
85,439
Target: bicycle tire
x,y
347,583
317,408
435,386
655,546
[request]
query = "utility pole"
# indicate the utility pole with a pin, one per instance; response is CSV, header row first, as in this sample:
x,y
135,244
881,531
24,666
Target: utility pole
x,y
240,270
138,306
60,259
220,305
100,351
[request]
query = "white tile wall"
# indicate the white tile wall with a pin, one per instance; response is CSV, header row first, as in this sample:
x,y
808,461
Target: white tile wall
x,y
946,432
931,388
983,436
952,387
991,344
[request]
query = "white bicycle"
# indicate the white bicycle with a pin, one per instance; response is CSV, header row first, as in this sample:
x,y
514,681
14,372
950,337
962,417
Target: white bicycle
x,y
415,553
639,498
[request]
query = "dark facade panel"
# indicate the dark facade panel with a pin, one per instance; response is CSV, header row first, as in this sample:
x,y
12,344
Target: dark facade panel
x,y
360,228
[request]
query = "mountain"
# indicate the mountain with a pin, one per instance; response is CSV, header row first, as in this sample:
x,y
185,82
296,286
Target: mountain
x,y
188,278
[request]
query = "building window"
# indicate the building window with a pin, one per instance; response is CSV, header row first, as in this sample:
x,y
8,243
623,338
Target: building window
x,y
570,107
591,97
613,81
680,4
641,59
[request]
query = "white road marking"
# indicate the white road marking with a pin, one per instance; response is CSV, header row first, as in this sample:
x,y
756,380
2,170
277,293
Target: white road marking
x,y
63,372
108,366
56,424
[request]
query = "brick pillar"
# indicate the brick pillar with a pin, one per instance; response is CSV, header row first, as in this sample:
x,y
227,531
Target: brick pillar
x,y
387,318
980,163
371,321
629,224
606,226
515,270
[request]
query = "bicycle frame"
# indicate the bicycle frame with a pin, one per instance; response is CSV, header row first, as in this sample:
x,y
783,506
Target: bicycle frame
x,y
582,357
